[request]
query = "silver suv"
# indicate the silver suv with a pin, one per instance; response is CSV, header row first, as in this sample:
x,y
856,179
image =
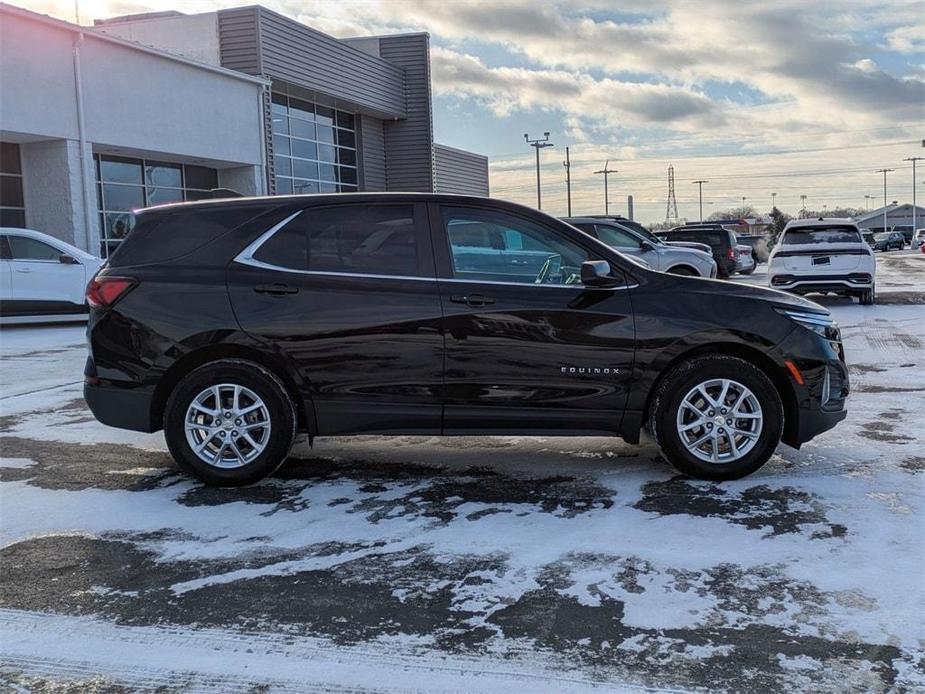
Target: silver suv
x,y
655,252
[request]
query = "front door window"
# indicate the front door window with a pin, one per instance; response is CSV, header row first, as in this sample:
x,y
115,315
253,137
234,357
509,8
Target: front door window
x,y
497,247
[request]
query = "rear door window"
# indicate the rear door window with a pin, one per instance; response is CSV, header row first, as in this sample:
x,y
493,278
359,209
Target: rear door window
x,y
354,239
616,238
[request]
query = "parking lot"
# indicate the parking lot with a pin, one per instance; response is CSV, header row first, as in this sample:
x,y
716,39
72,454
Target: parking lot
x,y
482,564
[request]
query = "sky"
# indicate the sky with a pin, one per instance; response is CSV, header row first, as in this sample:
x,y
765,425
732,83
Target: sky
x,y
778,96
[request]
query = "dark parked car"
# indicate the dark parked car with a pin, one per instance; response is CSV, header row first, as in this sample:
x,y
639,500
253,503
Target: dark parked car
x,y
720,240
889,240
234,325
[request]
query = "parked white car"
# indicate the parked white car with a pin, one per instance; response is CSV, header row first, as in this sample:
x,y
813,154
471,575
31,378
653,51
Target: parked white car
x,y
42,275
823,256
919,239
745,259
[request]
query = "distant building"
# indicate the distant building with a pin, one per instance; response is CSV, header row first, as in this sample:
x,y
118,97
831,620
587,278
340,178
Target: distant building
x,y
153,108
896,216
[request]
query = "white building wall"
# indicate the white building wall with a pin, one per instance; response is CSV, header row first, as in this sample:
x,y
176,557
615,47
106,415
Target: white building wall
x,y
194,36
136,103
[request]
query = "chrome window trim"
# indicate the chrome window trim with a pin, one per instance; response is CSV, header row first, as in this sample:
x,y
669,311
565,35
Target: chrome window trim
x,y
246,257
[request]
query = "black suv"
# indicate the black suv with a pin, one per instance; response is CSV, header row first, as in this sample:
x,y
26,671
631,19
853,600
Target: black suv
x,y
234,325
720,239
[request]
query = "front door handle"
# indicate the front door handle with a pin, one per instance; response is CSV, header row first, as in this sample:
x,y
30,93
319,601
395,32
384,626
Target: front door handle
x,y
277,289
472,299
24,270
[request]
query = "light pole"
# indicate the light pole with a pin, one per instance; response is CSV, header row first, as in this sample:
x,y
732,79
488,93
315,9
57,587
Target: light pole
x,y
866,203
606,173
803,201
568,181
538,144
743,205
884,172
700,190
773,200
913,160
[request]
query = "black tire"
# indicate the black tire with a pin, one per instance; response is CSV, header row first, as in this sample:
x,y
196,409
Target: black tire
x,y
748,272
683,270
680,380
262,382
868,297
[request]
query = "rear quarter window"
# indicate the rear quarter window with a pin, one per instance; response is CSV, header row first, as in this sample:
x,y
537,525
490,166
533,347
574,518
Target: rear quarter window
x,y
165,236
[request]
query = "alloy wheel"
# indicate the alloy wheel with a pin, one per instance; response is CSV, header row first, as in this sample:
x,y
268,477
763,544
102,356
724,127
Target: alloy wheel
x,y
719,421
227,425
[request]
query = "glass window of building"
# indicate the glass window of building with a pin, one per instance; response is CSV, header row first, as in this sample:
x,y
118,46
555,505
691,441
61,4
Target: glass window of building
x,y
314,147
125,184
12,207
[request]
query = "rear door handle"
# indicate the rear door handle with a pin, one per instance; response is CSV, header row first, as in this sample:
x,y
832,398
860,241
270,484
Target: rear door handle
x,y
472,299
277,289
25,270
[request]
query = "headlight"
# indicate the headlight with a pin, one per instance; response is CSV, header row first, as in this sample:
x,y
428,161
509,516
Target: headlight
x,y
820,323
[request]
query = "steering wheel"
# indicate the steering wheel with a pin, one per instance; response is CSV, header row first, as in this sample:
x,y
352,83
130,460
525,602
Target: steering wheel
x,y
543,274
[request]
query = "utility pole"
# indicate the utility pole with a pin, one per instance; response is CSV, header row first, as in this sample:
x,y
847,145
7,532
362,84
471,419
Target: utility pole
x,y
913,160
884,172
700,189
538,144
606,173
773,200
568,181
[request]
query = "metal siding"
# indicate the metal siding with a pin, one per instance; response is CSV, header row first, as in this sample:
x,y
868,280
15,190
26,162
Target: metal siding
x,y
295,53
238,38
409,143
372,154
463,173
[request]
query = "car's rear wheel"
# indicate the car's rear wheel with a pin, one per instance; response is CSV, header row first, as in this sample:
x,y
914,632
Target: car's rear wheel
x,y
230,423
868,297
716,417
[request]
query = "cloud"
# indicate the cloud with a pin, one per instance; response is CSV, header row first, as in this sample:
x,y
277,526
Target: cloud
x,y
908,39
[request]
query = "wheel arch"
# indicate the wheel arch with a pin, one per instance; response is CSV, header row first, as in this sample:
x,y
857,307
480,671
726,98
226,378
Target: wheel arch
x,y
777,374
682,266
210,353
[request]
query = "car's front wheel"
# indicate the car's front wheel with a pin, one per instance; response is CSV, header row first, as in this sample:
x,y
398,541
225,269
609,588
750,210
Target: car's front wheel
x,y
716,417
230,423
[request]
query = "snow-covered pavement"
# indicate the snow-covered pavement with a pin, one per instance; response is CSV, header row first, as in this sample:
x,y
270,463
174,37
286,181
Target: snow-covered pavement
x,y
484,564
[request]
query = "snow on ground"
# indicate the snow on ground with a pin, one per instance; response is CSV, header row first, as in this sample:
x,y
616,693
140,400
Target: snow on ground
x,y
482,564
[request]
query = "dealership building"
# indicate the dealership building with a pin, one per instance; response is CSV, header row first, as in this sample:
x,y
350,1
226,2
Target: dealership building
x,y
147,109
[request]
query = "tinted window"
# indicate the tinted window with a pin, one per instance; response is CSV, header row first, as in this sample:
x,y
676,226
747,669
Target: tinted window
x,y
494,246
822,235
365,239
29,249
616,237
165,236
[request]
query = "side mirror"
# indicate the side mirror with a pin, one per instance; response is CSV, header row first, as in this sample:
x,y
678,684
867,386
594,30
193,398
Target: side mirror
x,y
596,273
65,259
646,247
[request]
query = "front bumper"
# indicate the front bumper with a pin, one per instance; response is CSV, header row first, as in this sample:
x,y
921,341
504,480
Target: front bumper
x,y
821,399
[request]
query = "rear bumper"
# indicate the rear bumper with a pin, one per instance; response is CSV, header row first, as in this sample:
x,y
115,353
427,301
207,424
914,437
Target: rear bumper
x,y
854,281
121,407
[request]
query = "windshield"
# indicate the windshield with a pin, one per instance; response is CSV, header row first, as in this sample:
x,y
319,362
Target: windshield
x,y
813,235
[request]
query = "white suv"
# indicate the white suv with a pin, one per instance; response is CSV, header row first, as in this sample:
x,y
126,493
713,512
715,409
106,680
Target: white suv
x,y
823,255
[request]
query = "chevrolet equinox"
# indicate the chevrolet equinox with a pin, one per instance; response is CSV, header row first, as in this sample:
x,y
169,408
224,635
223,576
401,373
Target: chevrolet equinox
x,y
234,325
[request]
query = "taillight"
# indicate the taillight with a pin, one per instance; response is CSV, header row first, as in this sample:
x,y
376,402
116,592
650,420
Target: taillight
x,y
732,253
104,292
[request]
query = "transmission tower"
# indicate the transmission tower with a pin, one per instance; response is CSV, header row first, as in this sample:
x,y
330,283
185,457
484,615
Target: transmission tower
x,y
671,212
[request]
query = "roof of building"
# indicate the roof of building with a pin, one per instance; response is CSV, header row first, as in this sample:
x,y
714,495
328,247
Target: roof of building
x,y
890,209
